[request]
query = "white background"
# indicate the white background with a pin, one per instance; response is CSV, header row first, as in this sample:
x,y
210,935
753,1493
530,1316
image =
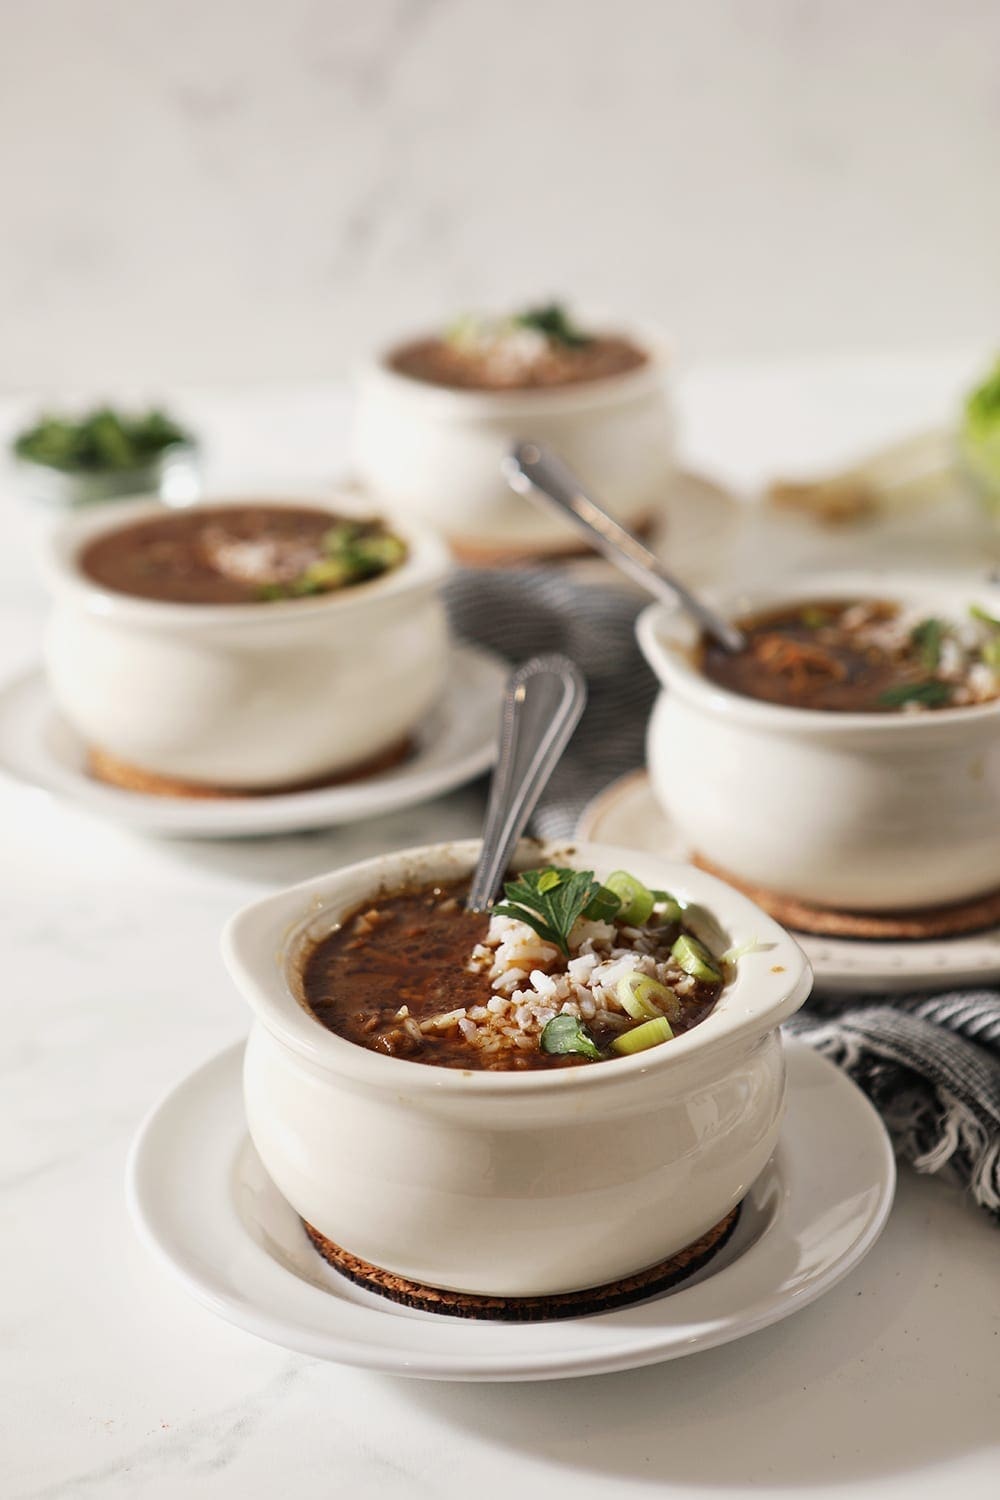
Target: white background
x,y
217,190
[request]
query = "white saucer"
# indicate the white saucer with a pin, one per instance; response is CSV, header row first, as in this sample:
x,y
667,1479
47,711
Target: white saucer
x,y
455,743
204,1206
626,813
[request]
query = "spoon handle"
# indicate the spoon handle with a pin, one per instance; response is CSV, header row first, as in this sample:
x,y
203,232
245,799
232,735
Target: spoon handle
x,y
529,465
542,705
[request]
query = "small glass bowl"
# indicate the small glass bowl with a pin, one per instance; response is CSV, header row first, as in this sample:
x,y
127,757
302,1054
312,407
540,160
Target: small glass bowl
x,y
174,475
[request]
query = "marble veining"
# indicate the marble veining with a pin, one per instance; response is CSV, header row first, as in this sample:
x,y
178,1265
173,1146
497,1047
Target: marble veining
x,y
258,192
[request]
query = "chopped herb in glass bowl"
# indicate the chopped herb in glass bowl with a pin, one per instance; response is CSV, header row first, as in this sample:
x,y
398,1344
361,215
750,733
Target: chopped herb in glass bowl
x,y
106,453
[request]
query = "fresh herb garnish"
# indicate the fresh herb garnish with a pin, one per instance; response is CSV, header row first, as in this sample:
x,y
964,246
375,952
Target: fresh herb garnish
x,y
978,613
667,910
979,437
637,900
352,552
103,441
603,907
567,1034
927,637
932,693
554,321
550,900
982,405
814,617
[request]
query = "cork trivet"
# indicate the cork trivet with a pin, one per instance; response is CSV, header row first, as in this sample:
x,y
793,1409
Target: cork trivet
x,y
472,553
119,773
648,1283
923,922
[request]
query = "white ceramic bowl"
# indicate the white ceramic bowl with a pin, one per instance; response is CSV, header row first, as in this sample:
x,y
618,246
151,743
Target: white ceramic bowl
x,y
249,695
865,812
511,1184
434,452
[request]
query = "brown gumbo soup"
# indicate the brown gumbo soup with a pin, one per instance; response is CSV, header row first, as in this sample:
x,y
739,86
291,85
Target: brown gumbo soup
x,y
861,656
536,348
515,363
414,975
240,554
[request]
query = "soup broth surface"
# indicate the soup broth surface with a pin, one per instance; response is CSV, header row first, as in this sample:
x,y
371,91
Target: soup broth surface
x,y
239,554
515,363
859,656
395,967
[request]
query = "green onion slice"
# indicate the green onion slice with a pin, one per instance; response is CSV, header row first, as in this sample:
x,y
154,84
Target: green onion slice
x,y
978,613
740,950
644,998
932,692
990,653
695,959
604,906
636,899
649,1034
928,637
666,907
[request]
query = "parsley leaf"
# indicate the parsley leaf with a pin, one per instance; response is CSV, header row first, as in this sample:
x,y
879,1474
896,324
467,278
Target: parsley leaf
x,y
554,321
550,900
568,1034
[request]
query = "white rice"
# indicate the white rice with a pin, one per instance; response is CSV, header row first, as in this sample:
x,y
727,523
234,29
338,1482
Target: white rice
x,y
532,981
972,680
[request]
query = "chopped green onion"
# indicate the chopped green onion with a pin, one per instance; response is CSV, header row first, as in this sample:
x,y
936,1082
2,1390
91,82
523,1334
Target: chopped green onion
x,y
667,908
733,955
649,1034
639,994
978,613
604,906
990,653
636,899
344,534
326,573
931,692
695,959
464,329
305,584
566,1034
376,554
927,637
813,617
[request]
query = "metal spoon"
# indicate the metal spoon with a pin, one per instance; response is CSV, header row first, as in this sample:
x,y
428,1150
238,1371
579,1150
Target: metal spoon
x,y
530,467
542,705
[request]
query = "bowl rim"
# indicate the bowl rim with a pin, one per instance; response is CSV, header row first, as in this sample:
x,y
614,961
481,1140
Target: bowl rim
x,y
425,566
259,940
666,637
528,401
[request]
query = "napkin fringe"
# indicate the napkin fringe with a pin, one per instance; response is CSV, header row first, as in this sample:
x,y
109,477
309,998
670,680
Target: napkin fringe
x,y
931,1127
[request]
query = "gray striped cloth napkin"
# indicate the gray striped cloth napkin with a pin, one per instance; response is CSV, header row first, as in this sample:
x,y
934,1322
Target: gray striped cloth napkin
x,y
930,1064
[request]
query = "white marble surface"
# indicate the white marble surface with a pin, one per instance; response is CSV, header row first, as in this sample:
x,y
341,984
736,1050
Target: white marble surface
x,y
252,190
113,1385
